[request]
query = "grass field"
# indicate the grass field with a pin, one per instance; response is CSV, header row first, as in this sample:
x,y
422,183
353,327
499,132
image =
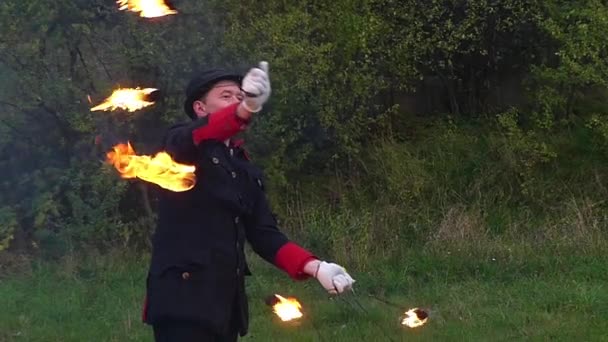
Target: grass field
x,y
497,235
517,292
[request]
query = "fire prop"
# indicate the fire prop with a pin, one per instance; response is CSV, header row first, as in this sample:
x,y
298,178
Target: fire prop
x,y
415,318
127,98
286,308
146,8
160,169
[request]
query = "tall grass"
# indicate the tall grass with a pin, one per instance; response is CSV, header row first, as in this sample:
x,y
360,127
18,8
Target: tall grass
x,y
455,186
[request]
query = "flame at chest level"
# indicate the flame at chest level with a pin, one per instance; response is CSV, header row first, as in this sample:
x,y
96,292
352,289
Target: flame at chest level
x,y
159,169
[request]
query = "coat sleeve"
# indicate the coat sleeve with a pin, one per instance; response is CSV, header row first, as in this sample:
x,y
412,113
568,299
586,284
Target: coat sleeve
x,y
181,140
272,245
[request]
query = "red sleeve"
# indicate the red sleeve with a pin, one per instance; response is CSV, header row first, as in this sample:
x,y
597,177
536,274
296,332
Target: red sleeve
x,y
291,258
221,125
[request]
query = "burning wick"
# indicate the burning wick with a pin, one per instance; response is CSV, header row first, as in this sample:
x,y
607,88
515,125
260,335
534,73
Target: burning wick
x,y
127,98
286,308
147,8
415,317
160,169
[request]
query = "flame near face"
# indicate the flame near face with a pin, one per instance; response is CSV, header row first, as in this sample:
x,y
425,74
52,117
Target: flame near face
x,y
146,8
126,98
415,318
160,169
287,308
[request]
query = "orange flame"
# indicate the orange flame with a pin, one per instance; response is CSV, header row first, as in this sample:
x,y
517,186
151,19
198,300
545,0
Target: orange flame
x,y
287,308
160,169
147,8
126,98
415,318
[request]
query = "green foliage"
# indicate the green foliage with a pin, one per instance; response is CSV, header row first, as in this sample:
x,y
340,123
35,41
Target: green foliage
x,y
399,169
493,198
599,125
523,151
455,187
340,73
96,220
8,226
52,143
467,47
579,61
325,77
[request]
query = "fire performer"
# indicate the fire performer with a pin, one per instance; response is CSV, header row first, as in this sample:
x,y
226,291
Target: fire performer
x,y
196,284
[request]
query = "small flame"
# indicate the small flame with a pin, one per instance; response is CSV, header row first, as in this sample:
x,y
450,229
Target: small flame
x,y
414,318
126,98
160,169
287,308
147,8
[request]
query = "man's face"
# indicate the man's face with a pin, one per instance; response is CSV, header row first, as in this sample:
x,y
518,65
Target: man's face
x,y
223,94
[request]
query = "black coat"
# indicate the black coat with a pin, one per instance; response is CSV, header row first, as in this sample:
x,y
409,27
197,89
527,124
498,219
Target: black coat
x,y
198,263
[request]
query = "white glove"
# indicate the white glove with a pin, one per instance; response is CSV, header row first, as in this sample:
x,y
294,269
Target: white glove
x,y
334,278
256,86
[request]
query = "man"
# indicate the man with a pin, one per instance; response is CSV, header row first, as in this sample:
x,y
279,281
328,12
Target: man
x,y
196,284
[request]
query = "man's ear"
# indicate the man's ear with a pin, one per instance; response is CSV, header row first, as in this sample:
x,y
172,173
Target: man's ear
x,y
200,107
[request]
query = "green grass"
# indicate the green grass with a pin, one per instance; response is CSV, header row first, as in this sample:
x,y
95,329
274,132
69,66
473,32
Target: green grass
x,y
515,293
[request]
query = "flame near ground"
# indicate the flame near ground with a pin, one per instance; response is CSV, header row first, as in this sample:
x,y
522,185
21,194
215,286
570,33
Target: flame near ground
x,y
415,318
287,308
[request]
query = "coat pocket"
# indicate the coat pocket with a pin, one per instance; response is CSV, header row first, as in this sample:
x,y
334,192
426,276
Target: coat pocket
x,y
196,292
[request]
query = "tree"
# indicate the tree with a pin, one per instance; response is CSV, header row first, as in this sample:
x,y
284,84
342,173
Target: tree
x,y
578,64
53,56
468,47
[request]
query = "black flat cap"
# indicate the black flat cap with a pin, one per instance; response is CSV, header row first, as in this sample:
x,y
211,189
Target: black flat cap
x,y
203,82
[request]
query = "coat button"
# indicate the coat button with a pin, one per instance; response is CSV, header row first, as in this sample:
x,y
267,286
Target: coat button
x,y
238,245
238,271
233,174
186,275
214,160
260,182
231,152
236,220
